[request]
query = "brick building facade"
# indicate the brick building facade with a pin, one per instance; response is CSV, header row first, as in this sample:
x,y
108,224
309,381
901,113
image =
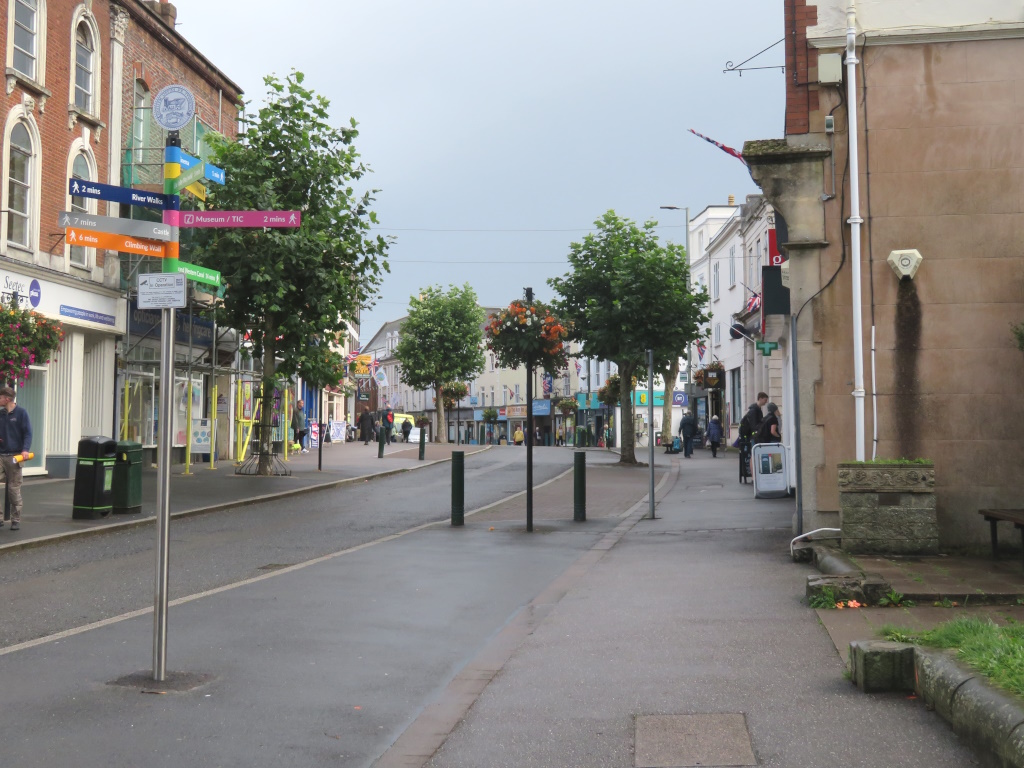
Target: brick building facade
x,y
67,107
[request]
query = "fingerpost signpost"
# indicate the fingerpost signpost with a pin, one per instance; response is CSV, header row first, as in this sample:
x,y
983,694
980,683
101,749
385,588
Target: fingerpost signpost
x,y
173,109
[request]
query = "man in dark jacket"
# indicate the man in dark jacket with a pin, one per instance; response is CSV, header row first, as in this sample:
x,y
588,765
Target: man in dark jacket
x,y
15,448
406,429
687,429
366,425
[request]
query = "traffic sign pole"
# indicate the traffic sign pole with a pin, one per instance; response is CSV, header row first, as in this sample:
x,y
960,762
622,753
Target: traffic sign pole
x,y
164,447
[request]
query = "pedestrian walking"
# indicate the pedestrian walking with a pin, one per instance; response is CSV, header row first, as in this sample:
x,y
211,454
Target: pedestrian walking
x,y
15,447
769,431
388,424
406,430
538,438
687,429
299,426
366,425
518,437
714,436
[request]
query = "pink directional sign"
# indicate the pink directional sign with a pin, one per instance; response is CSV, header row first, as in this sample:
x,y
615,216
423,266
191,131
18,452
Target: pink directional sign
x,y
233,218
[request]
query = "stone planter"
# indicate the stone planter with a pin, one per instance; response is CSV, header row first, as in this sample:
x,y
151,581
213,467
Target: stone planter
x,y
888,509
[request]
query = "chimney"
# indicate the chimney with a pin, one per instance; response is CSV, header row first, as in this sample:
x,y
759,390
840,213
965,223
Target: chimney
x,y
732,199
166,11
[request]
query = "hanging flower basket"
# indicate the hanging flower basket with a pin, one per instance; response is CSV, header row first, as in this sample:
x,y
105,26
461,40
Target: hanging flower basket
x,y
567,405
26,338
525,334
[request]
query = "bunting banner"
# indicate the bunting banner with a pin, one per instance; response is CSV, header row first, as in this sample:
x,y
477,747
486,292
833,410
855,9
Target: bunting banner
x,y
701,349
380,376
351,356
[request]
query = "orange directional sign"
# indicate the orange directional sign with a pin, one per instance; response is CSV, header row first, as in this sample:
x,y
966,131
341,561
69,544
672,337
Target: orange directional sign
x,y
107,241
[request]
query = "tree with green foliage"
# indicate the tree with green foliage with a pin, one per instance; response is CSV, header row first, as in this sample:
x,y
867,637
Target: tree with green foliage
x,y
628,293
294,290
441,343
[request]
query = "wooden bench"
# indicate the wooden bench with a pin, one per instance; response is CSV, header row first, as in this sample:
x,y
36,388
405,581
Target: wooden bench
x,y
993,516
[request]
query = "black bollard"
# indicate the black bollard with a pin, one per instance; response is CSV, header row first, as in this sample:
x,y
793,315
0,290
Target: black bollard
x,y
320,447
423,441
458,488
579,477
380,441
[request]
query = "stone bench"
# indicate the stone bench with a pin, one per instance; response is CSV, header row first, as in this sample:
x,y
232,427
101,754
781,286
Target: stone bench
x,y
994,516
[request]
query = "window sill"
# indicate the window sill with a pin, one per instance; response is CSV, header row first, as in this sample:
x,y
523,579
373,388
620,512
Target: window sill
x,y
76,113
14,77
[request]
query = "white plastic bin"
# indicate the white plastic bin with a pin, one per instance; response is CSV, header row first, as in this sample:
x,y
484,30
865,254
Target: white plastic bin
x,y
771,474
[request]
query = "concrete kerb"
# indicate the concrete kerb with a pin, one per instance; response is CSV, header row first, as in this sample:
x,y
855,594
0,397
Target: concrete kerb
x,y
129,524
988,719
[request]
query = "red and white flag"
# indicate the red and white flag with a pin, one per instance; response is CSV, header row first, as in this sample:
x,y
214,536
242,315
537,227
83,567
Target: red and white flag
x,y
728,150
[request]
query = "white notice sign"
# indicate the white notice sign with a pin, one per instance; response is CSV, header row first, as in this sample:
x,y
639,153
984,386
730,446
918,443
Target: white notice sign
x,y
161,291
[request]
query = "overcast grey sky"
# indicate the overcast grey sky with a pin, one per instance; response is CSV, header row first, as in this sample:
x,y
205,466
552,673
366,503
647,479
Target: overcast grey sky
x,y
498,131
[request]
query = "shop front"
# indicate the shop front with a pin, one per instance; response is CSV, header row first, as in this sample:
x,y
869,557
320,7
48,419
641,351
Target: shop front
x,y
73,396
198,379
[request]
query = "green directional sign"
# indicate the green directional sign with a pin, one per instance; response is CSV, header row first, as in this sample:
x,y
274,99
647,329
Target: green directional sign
x,y
766,347
190,176
192,272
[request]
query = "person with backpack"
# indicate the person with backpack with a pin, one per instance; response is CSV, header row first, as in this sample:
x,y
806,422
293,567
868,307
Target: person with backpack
x,y
769,431
406,429
389,424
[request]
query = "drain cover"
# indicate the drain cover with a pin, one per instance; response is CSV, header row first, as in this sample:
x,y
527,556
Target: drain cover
x,y
682,741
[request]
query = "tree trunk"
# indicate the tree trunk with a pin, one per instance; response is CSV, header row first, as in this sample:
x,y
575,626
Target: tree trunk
x,y
627,455
666,410
266,465
441,436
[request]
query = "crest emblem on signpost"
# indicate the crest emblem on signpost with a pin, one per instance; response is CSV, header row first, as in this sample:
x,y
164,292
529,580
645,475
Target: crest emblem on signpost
x,y
173,107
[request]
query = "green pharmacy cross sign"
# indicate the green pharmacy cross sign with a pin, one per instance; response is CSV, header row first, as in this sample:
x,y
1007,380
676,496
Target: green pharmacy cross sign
x,y
766,347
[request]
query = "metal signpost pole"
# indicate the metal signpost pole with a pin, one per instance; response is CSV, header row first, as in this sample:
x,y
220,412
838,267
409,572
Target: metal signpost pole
x,y
650,425
529,433
163,475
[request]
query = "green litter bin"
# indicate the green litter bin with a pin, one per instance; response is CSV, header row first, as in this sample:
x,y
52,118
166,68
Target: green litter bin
x,y
94,476
127,496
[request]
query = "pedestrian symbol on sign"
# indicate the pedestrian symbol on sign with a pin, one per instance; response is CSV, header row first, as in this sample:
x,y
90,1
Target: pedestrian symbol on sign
x,y
75,187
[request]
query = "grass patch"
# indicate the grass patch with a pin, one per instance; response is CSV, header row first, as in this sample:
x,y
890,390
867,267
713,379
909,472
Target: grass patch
x,y
994,651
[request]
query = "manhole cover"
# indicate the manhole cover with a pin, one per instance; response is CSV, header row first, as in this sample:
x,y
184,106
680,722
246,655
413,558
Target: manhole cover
x,y
682,741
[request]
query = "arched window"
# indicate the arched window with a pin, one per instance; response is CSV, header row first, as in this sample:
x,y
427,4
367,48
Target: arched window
x,y
26,26
84,62
19,186
79,255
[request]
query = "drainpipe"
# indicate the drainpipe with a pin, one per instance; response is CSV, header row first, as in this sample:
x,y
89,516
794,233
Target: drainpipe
x,y
855,221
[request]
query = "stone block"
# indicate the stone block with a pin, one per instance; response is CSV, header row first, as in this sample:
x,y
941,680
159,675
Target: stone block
x,y
843,587
877,666
859,499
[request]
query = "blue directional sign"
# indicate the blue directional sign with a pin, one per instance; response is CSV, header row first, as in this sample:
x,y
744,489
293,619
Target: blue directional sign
x,y
123,195
186,161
